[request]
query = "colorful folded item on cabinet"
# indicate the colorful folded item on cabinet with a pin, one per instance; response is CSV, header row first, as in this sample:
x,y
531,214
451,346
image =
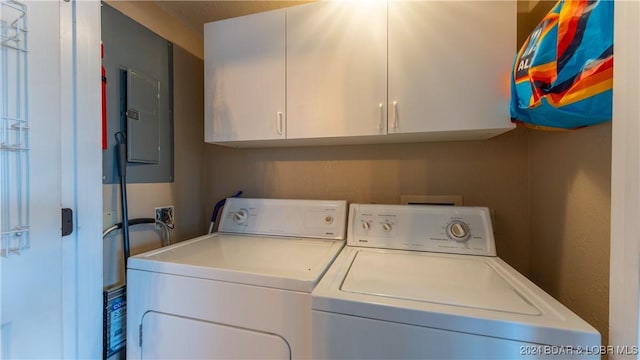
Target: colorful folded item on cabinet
x,y
562,76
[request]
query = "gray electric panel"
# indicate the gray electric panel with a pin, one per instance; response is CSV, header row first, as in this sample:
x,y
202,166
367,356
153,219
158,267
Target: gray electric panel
x,y
143,95
139,72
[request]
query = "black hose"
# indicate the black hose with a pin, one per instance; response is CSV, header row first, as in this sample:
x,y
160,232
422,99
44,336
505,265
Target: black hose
x,y
121,153
216,209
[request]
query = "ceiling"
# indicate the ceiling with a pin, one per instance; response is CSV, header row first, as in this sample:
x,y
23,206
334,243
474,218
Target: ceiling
x,y
196,13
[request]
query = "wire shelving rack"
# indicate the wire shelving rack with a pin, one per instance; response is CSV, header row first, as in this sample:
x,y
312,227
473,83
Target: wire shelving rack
x,y
14,129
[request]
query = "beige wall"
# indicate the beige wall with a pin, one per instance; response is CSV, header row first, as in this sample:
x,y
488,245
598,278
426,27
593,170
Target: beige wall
x,y
491,173
184,193
570,196
550,191
188,127
570,202
153,17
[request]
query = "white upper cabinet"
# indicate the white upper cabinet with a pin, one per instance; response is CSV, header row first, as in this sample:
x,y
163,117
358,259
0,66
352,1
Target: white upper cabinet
x,y
360,72
337,69
449,66
245,78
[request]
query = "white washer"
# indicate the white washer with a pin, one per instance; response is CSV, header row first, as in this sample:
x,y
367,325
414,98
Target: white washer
x,y
425,282
241,293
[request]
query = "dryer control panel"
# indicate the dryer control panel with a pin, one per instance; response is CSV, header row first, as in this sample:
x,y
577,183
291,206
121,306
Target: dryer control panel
x,y
324,219
447,229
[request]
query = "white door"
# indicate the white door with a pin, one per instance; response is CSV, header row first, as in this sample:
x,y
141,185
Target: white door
x,y
244,78
336,69
50,292
449,65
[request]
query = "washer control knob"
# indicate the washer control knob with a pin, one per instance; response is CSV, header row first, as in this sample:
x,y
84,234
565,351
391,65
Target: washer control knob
x,y
458,231
240,216
328,219
366,225
386,227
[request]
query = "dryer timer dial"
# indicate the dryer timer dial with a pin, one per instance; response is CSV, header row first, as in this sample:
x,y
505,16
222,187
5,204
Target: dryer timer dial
x,y
240,216
458,231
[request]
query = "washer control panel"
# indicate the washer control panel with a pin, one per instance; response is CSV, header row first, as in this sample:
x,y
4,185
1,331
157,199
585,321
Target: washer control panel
x,y
448,229
283,217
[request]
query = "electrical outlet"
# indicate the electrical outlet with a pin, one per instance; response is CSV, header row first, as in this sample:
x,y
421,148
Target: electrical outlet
x,y
165,214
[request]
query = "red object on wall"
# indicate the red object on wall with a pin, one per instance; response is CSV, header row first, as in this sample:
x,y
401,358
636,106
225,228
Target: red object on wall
x,y
104,101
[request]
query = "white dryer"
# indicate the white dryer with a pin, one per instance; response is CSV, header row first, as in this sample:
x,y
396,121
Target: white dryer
x,y
424,282
241,293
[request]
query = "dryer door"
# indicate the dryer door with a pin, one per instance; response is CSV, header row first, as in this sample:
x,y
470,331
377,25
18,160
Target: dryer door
x,y
165,336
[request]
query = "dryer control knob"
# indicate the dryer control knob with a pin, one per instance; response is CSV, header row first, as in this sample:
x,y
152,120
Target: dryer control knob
x,y
366,226
240,216
386,227
458,231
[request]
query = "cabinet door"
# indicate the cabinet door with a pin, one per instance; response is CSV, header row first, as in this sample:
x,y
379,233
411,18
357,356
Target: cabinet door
x,y
245,78
336,69
449,65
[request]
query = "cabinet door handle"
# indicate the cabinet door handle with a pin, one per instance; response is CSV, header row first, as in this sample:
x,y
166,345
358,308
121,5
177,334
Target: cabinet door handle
x,y
381,122
395,115
279,123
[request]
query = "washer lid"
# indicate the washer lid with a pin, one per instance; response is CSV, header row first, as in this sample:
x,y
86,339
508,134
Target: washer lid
x,y
468,282
284,263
